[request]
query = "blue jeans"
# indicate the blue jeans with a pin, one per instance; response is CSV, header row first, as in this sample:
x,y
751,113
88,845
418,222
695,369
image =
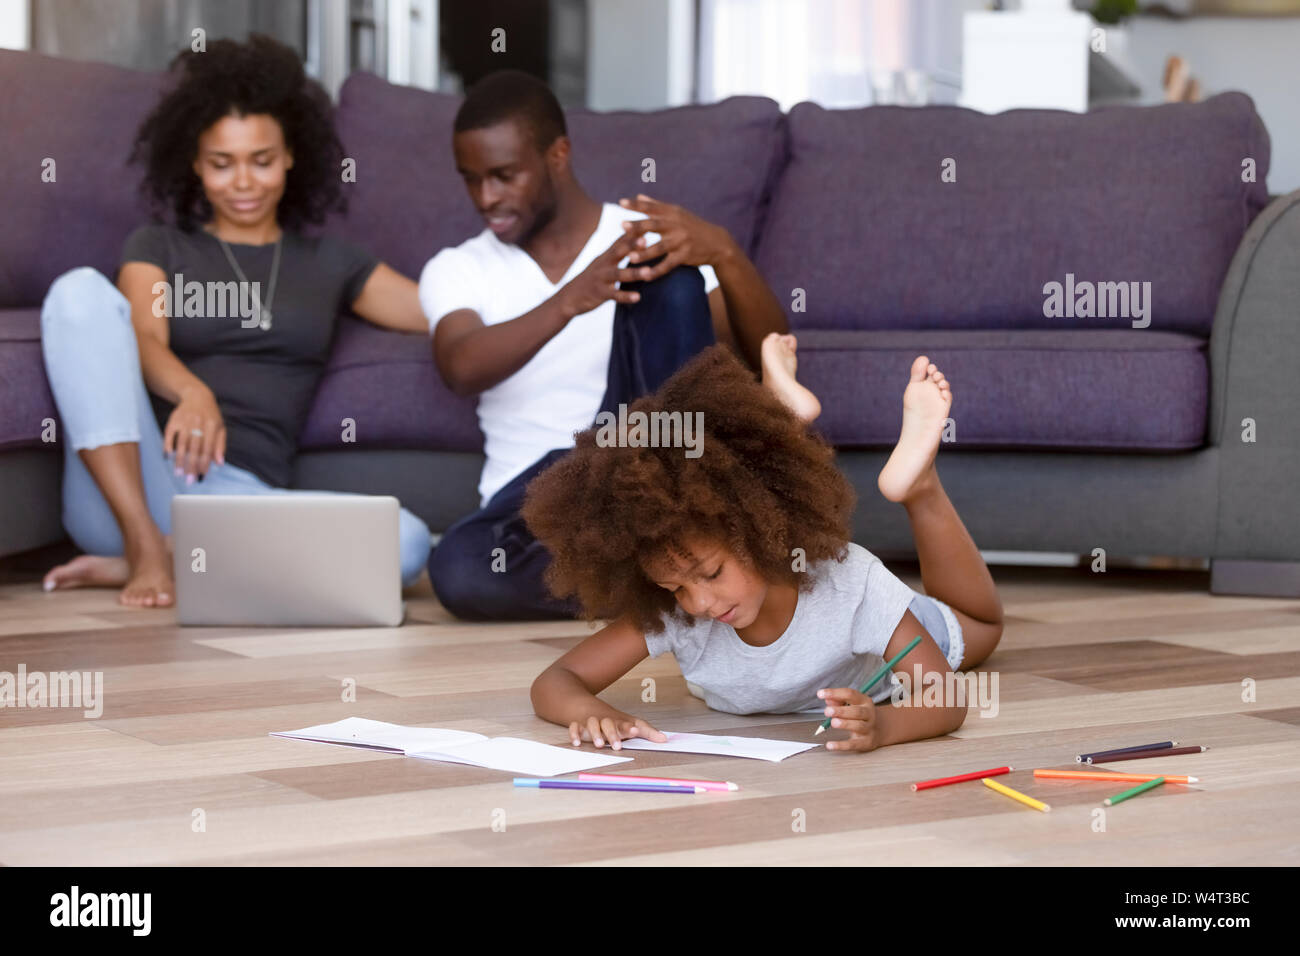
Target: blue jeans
x,y
652,339
93,364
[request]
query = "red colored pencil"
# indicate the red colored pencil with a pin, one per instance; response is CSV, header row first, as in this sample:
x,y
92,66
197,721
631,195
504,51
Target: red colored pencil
x,y
960,778
1143,754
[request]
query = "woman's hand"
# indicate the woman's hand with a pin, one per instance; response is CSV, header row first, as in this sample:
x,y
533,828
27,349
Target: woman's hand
x,y
195,435
616,729
855,712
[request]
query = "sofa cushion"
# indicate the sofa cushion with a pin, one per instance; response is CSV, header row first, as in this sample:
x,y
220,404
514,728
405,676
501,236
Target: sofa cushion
x,y
408,201
25,399
84,117
862,221
387,384
1088,390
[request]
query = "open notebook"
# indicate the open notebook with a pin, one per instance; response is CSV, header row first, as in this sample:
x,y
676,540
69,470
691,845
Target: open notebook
x,y
512,754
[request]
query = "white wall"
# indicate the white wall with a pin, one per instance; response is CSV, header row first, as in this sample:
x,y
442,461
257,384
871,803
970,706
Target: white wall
x,y
1259,56
640,54
15,28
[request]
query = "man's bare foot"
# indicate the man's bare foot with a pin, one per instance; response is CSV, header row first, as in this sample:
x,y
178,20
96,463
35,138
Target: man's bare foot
x,y
145,582
926,402
779,366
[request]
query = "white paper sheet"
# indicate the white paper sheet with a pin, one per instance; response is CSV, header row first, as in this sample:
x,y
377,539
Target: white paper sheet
x,y
759,748
512,754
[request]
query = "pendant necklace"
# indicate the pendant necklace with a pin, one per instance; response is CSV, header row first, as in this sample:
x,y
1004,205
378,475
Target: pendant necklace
x,y
265,310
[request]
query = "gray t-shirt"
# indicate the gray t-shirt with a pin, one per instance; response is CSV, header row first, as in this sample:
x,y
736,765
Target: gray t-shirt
x,y
264,380
836,638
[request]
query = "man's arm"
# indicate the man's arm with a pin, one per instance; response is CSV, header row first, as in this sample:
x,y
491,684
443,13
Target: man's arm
x,y
744,309
472,356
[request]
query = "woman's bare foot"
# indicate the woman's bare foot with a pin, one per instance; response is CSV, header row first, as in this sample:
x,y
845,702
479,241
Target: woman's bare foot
x,y
779,366
88,571
145,582
926,402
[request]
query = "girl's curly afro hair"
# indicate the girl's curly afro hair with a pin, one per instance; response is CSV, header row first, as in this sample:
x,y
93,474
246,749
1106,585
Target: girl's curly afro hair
x,y
762,486
261,76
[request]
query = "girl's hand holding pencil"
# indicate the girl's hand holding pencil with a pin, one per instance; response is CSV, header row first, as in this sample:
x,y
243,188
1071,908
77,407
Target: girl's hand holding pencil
x,y
613,729
854,711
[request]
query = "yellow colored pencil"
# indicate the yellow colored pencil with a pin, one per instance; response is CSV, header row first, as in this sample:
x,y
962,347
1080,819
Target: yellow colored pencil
x,y
1016,795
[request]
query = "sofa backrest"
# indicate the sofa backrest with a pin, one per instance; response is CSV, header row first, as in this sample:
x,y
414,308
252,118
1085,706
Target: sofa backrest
x,y
83,117
863,221
408,201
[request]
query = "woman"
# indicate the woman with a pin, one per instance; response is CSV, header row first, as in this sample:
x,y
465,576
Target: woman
x,y
227,317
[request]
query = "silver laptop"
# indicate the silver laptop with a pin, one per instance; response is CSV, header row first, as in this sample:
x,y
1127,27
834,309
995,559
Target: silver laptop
x,y
297,560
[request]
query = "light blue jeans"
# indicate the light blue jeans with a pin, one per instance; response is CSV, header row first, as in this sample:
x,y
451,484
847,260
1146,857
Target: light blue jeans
x,y
93,364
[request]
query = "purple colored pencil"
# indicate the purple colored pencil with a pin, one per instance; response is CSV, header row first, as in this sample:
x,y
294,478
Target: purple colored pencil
x,y
593,785
1089,758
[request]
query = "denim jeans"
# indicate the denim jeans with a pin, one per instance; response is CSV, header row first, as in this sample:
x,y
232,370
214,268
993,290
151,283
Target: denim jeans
x,y
93,364
652,338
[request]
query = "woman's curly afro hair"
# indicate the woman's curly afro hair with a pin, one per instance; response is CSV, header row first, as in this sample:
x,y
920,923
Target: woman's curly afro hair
x,y
761,486
261,76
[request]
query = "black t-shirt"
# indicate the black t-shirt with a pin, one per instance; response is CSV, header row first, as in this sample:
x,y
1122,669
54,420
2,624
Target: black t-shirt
x,y
263,379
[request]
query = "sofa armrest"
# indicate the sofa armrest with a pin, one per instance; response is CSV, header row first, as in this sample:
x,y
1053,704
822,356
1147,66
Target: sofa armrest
x,y
1255,374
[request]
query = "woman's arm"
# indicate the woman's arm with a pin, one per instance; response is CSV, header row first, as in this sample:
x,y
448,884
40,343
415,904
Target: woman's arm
x,y
165,375
565,693
391,301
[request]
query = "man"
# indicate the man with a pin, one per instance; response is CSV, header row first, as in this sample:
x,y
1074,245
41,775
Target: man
x,y
561,308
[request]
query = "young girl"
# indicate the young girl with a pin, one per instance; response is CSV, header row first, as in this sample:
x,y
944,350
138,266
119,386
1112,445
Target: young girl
x,y
156,400
739,562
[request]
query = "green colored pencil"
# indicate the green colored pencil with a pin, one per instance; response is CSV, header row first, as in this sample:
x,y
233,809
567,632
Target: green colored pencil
x,y
1140,788
889,665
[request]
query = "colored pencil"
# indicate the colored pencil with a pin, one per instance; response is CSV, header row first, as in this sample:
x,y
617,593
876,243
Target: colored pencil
x,y
1143,754
1016,795
662,781
1089,758
1140,788
587,785
877,675
960,778
1117,777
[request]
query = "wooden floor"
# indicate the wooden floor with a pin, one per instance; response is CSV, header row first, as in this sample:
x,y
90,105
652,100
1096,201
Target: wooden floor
x,y
1087,661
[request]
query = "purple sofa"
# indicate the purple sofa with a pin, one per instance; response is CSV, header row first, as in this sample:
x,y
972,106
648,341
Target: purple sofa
x,y
1072,432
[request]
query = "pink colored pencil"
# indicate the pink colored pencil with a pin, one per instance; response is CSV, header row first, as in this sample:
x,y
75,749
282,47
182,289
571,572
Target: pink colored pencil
x,y
620,778
960,778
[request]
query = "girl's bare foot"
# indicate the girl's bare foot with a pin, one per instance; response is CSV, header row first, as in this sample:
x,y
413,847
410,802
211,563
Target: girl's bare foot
x,y
926,402
145,582
779,366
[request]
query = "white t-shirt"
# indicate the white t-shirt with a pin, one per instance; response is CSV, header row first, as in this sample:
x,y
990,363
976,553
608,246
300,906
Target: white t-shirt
x,y
558,393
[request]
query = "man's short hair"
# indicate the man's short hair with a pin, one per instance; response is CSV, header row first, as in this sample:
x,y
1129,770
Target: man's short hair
x,y
513,95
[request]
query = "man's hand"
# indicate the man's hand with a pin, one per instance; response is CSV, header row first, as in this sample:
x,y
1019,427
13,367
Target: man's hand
x,y
596,283
684,238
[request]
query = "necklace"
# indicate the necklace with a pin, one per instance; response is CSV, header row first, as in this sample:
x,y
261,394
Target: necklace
x,y
264,310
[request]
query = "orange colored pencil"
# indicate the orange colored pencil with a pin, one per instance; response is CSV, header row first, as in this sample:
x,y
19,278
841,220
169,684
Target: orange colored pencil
x,y
1118,777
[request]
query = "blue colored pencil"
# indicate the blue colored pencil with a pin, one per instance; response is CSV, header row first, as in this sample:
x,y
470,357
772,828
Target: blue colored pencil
x,y
1100,754
591,785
